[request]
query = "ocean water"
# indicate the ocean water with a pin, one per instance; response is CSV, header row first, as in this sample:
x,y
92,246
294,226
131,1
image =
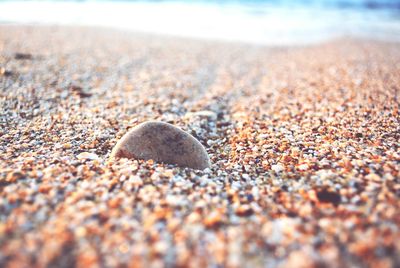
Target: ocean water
x,y
273,22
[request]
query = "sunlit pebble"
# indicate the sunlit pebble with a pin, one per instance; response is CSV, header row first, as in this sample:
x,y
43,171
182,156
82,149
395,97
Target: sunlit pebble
x,y
161,247
302,167
213,219
15,176
164,143
278,168
87,156
244,210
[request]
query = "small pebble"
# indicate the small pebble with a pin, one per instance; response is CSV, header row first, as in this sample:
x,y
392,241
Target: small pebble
x,y
15,176
23,56
4,72
278,168
88,156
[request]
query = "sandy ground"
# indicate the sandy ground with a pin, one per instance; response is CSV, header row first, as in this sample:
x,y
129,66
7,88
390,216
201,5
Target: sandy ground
x,y
304,144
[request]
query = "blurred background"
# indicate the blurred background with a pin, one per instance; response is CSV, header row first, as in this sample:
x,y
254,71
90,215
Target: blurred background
x,y
251,21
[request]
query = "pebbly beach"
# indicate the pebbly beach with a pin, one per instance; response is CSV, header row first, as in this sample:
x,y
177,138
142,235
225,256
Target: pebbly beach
x,y
303,143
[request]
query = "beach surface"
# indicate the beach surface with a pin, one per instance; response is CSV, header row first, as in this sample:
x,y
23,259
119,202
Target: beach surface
x,y
303,141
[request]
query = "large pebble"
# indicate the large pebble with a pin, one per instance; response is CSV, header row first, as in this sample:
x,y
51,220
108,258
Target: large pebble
x,y
162,142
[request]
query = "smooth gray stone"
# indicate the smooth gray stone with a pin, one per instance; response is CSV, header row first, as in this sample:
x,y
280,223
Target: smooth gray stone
x,y
162,142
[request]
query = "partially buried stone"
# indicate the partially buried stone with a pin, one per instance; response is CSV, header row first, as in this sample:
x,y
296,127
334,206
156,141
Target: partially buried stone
x,y
162,142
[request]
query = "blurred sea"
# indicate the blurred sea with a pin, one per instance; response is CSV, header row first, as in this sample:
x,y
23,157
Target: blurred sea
x,y
273,22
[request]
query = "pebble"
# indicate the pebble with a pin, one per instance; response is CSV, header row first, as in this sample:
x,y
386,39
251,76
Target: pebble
x,y
4,72
88,156
15,176
162,142
278,168
23,56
